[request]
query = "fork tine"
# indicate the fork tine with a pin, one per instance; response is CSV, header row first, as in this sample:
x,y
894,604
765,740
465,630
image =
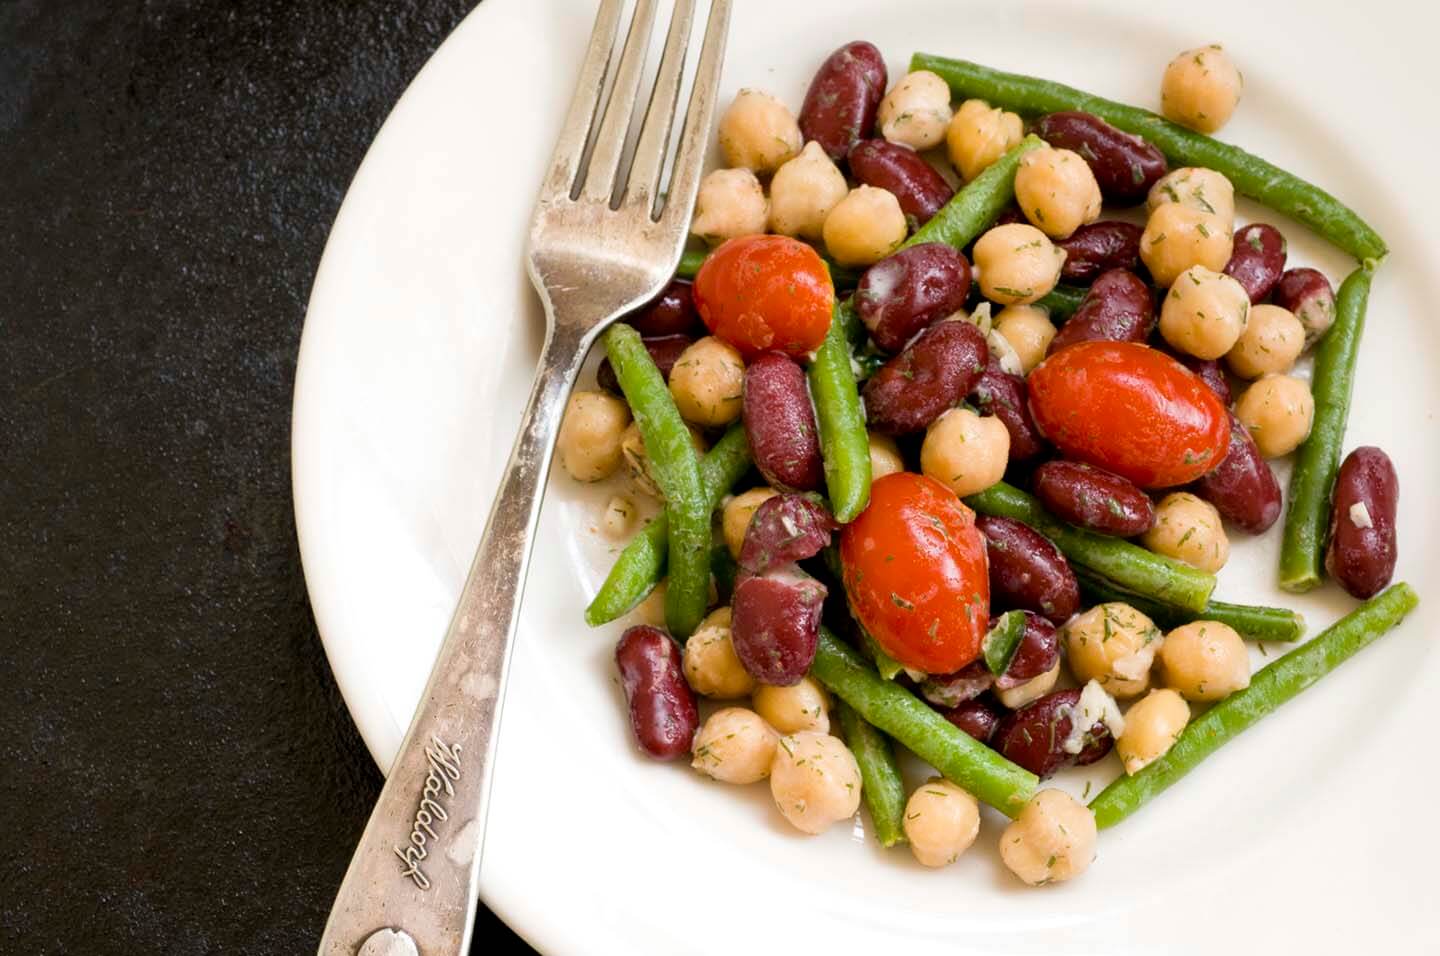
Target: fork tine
x,y
649,162
685,181
610,141
570,148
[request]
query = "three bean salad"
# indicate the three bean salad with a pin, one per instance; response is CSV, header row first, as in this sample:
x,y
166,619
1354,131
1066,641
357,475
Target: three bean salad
x,y
951,468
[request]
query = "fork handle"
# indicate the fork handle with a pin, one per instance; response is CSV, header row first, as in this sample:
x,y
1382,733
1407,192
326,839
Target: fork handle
x,y
412,883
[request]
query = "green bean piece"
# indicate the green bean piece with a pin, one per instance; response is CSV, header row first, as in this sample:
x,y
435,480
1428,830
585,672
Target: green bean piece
x,y
1002,641
843,277
1131,567
844,445
910,721
690,262
1062,301
677,471
642,564
1271,686
971,210
1307,519
1251,175
723,569
880,781
1250,621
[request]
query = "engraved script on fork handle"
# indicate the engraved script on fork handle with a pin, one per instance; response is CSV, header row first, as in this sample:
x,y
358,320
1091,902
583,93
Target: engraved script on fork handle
x,y
412,883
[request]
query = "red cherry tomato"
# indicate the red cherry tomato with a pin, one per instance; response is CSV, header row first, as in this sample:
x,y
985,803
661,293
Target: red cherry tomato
x,y
915,570
1130,409
762,293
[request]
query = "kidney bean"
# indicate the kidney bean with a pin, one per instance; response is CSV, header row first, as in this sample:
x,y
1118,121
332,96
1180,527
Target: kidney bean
x,y
951,690
775,624
1009,215
1098,247
978,718
1034,735
1093,498
904,174
1361,552
1027,571
1257,259
1125,166
1038,652
933,373
1242,487
664,352
1308,294
662,705
902,294
1211,372
1118,308
840,105
780,424
999,393
783,529
672,312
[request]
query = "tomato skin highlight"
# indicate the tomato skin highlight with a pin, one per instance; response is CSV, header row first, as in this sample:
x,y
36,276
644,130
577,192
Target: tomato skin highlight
x,y
1130,409
763,293
917,574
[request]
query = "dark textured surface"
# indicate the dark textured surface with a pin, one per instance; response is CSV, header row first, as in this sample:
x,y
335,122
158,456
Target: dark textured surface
x,y
177,770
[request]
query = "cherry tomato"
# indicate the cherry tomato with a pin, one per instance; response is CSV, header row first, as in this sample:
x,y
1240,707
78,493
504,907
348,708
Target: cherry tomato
x,y
915,570
762,293
1129,409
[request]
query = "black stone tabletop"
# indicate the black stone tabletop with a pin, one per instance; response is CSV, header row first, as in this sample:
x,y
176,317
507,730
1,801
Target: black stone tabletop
x,y
178,773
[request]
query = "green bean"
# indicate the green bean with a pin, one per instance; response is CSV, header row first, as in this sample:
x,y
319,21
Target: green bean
x,y
642,564
1127,565
690,261
881,784
1062,301
1271,686
1307,518
1251,175
844,445
1256,623
971,210
1002,641
905,717
676,470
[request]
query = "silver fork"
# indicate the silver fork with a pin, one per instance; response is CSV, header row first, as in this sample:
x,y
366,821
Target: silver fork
x,y
602,242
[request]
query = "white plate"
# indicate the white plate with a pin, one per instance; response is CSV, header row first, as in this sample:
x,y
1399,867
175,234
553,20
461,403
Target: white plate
x,y
1312,831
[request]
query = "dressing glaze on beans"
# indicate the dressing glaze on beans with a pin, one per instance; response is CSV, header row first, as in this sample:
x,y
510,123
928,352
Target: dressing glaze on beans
x,y
840,106
915,387
916,287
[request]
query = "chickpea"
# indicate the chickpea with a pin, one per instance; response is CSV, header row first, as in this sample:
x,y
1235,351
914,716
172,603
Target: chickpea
x,y
864,227
712,668
1197,187
1051,840
814,781
885,458
941,821
632,447
1205,660
1201,88
802,706
1017,264
1151,728
804,191
652,610
965,451
1278,410
734,746
1177,237
1057,191
979,135
1028,330
1204,313
619,518
730,203
1033,689
1114,645
1188,529
916,112
758,132
736,515
708,382
591,435
1272,341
